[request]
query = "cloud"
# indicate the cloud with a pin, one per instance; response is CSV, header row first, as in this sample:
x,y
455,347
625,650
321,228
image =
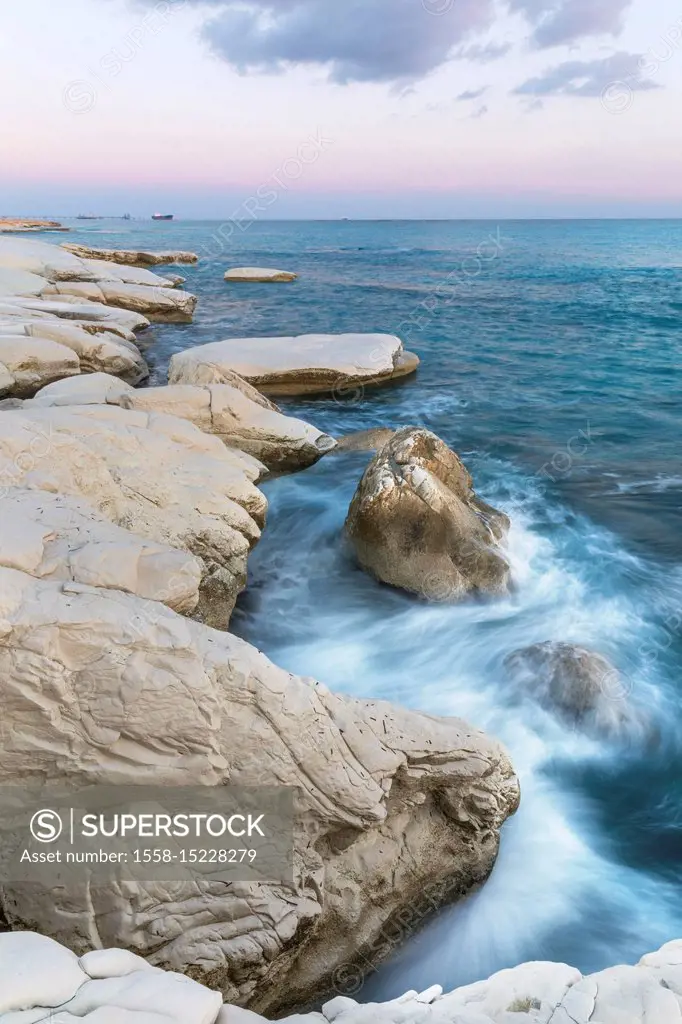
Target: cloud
x,y
482,54
589,77
355,40
471,94
564,21
394,41
481,112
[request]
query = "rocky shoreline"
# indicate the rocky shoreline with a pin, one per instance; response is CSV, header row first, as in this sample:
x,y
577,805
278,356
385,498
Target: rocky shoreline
x,y
141,506
115,985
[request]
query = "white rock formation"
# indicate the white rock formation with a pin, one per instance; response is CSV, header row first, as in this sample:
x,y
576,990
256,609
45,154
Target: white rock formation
x,y
25,263
87,389
537,993
104,270
157,475
383,793
100,351
280,442
69,307
129,257
160,304
27,364
259,274
340,364
54,537
239,415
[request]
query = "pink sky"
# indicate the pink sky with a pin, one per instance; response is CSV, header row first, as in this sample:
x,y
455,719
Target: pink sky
x,y
177,118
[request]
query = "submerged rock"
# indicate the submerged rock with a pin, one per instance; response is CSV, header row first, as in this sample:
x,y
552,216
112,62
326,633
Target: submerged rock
x,y
307,364
259,274
581,685
416,523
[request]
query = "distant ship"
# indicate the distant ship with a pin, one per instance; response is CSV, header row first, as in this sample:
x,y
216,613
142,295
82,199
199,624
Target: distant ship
x,y
162,216
126,216
88,216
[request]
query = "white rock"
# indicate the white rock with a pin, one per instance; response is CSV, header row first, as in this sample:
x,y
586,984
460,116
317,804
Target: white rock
x,y
130,257
262,274
279,442
159,304
158,475
87,389
417,799
36,971
112,963
104,270
99,351
28,364
48,261
69,307
309,363
55,537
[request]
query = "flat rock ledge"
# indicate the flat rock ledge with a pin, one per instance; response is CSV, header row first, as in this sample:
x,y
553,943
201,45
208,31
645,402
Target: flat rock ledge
x,y
340,364
263,275
39,978
22,224
131,257
236,413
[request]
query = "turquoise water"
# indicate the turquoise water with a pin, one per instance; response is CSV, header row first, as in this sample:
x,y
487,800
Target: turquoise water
x,y
551,362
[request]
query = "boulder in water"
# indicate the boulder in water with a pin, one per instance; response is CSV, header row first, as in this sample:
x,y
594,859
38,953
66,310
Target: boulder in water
x,y
583,686
264,275
416,523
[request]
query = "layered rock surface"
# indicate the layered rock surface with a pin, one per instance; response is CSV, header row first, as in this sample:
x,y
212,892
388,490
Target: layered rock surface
x,y
305,364
383,793
130,257
38,976
49,328
416,523
236,413
156,475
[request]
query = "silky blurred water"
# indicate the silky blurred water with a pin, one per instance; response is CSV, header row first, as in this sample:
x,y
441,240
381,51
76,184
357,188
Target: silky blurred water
x,y
551,363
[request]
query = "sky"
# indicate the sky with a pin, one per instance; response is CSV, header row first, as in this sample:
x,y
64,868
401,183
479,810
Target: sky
x,y
341,108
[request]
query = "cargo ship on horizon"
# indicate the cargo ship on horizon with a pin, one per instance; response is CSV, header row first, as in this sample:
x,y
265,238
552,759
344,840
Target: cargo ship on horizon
x,y
162,216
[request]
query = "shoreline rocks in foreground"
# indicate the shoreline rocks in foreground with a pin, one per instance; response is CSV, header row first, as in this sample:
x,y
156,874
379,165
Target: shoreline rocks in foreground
x,y
38,976
416,523
382,792
129,539
307,364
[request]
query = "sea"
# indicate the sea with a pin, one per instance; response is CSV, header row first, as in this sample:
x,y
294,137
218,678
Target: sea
x,y
550,355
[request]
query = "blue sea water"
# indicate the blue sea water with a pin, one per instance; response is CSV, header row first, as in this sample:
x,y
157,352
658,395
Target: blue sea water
x,y
551,359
